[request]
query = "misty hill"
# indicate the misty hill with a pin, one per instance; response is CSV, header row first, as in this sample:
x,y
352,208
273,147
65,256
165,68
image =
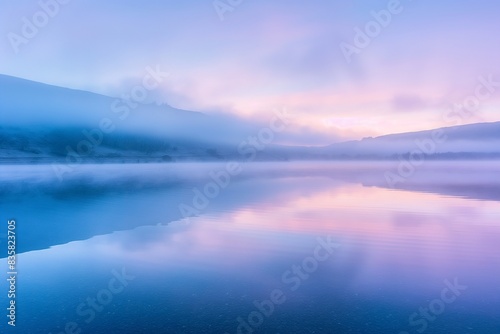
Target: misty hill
x,y
480,140
38,122
44,123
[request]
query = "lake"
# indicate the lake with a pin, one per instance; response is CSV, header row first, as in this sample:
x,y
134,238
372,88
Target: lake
x,y
297,247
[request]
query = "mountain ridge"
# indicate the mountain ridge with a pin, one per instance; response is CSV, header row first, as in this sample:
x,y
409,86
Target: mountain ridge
x,y
43,123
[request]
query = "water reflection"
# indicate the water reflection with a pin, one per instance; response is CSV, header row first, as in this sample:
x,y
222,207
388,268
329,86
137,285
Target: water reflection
x,y
397,248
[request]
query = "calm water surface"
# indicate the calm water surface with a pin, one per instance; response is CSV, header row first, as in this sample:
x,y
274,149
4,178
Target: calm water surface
x,y
284,248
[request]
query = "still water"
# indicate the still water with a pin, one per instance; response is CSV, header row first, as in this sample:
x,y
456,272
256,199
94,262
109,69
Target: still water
x,y
274,248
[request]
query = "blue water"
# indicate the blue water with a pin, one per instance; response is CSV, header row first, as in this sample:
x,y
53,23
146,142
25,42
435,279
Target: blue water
x,y
283,248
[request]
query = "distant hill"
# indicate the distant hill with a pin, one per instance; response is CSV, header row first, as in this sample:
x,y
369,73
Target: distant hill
x,y
465,141
40,123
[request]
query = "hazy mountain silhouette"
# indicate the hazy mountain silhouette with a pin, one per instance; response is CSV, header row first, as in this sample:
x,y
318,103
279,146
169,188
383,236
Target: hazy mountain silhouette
x,y
44,123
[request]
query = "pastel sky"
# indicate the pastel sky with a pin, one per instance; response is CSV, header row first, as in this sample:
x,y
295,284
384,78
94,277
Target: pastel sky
x,y
269,54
